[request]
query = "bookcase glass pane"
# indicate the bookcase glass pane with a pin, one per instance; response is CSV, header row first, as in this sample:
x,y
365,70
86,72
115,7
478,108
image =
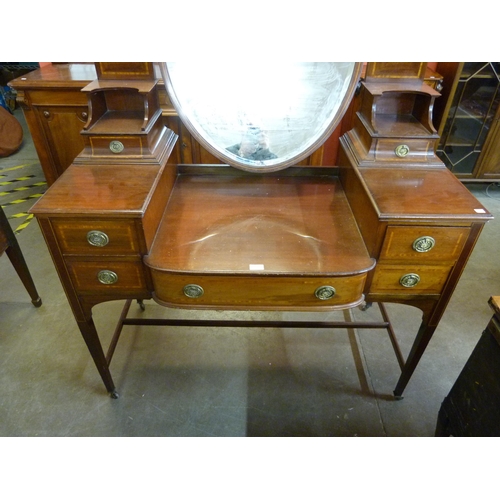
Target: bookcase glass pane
x,y
473,108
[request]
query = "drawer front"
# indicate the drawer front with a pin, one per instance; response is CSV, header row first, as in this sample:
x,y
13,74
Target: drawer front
x,y
99,237
423,243
115,147
56,98
404,150
409,279
112,276
266,292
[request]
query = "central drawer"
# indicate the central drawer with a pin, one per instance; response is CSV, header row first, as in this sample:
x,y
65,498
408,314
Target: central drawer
x,y
257,292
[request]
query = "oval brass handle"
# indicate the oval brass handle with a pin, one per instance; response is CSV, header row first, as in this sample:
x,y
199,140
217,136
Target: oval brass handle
x,y
325,292
402,150
46,114
193,291
97,238
116,147
107,277
409,280
424,244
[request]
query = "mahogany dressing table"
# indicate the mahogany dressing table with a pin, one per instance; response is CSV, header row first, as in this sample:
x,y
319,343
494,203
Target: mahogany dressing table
x,y
389,224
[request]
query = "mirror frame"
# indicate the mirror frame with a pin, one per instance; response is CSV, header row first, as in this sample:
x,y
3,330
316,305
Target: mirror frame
x,y
219,153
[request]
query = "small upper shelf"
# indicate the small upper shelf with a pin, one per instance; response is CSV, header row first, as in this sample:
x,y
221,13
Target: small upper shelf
x,y
124,123
405,109
106,104
394,126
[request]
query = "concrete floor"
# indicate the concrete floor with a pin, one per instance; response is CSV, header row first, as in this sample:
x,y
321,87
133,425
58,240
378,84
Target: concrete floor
x,y
222,382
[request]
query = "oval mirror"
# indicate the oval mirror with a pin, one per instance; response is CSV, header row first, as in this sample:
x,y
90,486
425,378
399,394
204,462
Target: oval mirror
x,y
265,119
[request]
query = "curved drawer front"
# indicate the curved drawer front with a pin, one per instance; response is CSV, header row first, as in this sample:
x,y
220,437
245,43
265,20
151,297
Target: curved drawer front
x,y
109,236
257,292
409,279
423,243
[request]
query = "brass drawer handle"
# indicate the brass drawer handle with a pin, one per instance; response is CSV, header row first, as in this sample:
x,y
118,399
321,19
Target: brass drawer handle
x,y
193,291
402,150
409,280
325,292
107,277
424,244
116,147
97,238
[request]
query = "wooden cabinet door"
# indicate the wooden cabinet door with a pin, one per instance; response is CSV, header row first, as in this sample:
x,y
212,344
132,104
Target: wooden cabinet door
x,y
62,126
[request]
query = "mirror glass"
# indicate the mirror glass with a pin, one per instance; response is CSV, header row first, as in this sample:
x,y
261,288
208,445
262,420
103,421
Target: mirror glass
x,y
264,118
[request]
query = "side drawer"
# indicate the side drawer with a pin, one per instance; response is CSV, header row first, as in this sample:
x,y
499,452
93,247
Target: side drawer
x,y
409,279
107,276
402,150
109,146
98,237
423,243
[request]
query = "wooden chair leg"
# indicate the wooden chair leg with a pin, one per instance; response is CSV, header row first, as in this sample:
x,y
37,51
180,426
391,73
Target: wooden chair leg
x,y
13,251
16,257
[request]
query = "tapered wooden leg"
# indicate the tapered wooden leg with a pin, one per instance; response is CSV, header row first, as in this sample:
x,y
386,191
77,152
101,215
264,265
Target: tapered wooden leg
x,y
89,333
16,257
423,337
9,243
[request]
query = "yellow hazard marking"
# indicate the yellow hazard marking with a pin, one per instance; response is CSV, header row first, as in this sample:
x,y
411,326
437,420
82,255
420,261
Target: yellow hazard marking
x,y
24,224
19,215
19,179
17,167
6,182
22,200
22,188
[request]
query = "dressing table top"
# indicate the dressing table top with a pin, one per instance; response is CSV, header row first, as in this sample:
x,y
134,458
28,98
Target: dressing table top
x,y
277,224
431,193
106,190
